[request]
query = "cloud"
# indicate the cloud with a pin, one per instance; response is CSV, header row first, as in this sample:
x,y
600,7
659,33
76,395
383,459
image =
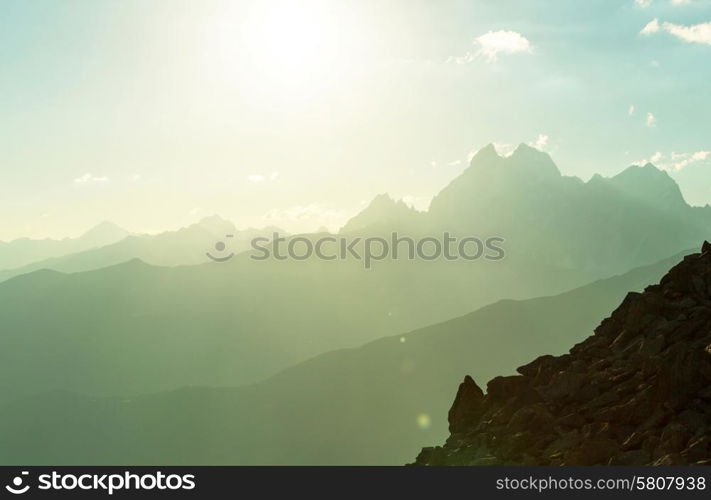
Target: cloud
x,y
630,110
301,212
540,143
674,162
307,217
262,178
90,179
651,120
493,43
698,33
504,148
643,3
420,203
651,27
680,161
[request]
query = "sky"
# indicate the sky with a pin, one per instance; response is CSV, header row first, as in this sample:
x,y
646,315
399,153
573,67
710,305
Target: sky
x,y
156,114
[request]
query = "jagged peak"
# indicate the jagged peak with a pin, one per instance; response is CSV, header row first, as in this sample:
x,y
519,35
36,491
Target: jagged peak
x,y
648,168
382,207
385,201
485,154
650,183
532,159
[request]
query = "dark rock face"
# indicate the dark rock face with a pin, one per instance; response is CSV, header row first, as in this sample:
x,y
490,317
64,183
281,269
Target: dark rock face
x,y
637,392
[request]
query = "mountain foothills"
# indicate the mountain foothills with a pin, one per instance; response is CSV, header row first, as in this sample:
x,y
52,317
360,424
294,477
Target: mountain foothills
x,y
637,392
376,404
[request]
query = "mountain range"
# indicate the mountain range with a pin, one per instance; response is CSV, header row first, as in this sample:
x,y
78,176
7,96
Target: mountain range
x,y
375,404
139,338
596,228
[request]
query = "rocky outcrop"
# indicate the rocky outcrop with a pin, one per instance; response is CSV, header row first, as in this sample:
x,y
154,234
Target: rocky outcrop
x,y
637,392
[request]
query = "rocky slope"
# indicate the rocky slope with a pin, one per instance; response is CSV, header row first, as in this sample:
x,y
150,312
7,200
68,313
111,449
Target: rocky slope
x,y
637,392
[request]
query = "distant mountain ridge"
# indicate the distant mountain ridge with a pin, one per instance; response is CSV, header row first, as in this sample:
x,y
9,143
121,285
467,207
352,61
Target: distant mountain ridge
x,y
604,226
186,246
23,251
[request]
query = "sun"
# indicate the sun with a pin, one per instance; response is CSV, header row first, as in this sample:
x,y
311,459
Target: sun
x,y
292,40
291,47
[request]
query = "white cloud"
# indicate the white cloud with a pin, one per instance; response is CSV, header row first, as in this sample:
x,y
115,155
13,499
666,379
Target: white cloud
x,y
494,43
674,162
643,3
301,218
651,27
698,33
651,120
301,212
630,110
465,59
420,203
454,163
90,179
256,178
540,143
504,148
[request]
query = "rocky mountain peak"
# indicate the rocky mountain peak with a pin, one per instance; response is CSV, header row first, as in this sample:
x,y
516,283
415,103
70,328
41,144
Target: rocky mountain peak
x,y
485,155
637,392
649,184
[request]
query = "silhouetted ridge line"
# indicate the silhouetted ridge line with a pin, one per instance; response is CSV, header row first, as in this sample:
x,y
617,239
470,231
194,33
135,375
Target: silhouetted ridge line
x,y
637,392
